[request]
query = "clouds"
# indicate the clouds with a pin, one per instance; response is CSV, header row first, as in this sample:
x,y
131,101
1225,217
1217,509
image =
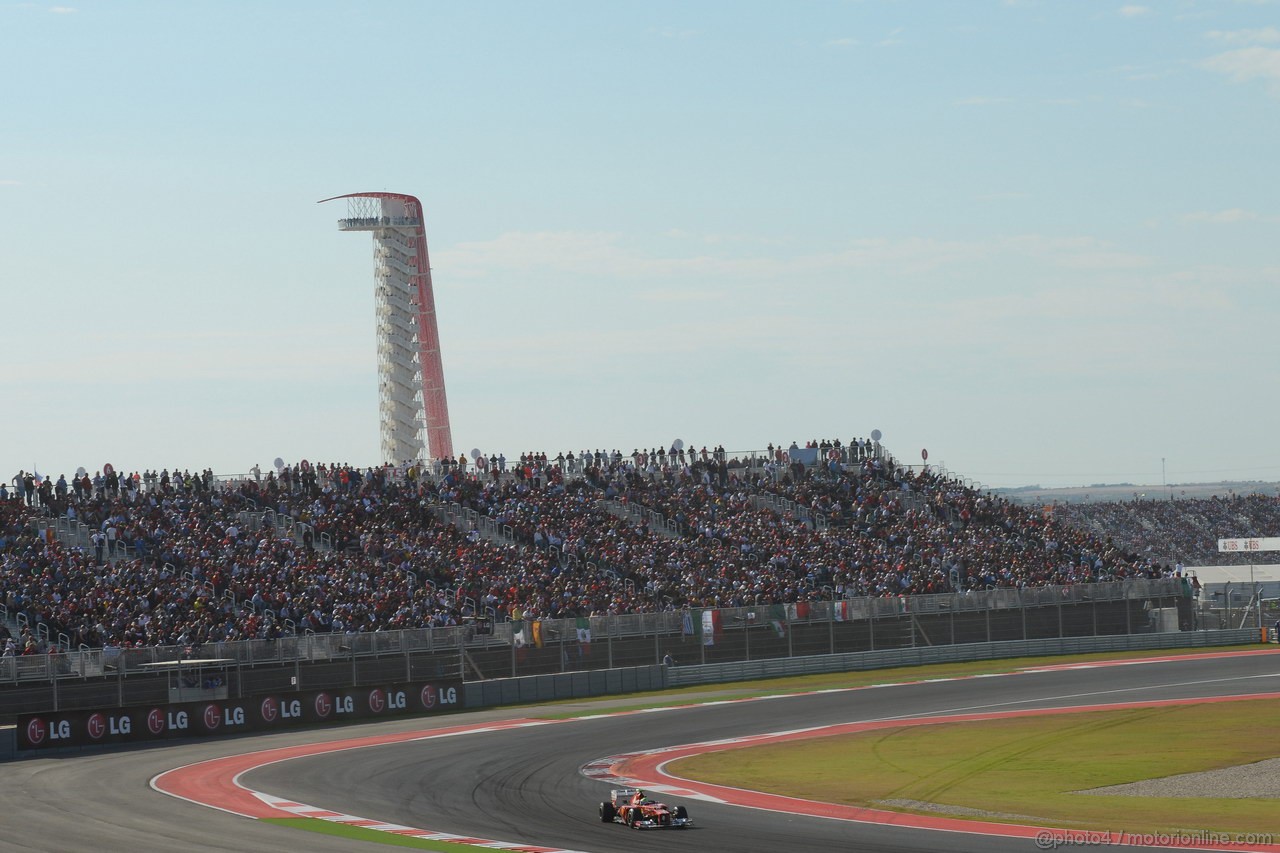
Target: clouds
x,y
710,205
605,254
1030,308
892,39
980,101
144,359
1222,217
1265,35
1249,61
676,33
1247,64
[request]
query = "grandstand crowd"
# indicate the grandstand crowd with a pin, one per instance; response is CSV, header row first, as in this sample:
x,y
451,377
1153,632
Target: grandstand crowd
x,y
182,558
1186,530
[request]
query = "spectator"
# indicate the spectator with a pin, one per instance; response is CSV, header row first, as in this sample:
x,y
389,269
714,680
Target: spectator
x,y
584,544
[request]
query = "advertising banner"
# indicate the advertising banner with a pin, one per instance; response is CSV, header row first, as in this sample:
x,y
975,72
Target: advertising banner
x,y
1266,543
230,716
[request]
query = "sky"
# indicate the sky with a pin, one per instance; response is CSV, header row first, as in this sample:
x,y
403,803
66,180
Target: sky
x,y
1040,240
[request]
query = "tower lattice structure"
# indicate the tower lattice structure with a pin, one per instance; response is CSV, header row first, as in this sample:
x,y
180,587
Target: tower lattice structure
x,y
411,395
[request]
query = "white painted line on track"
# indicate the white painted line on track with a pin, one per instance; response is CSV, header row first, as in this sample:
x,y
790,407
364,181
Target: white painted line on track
x,y
1065,696
595,769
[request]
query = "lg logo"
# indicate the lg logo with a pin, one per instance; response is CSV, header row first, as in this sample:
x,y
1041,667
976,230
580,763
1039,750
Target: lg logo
x,y
38,730
100,724
273,709
215,716
379,701
158,721
432,696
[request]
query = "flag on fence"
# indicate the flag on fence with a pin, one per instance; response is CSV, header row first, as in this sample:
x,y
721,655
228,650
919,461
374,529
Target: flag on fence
x,y
841,610
799,611
686,624
537,633
777,618
518,636
710,626
584,633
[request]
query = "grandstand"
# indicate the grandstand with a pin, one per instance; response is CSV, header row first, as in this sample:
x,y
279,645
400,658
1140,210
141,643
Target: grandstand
x,y
176,559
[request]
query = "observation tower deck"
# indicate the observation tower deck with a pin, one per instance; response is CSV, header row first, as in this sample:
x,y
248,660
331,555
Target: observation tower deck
x,y
411,394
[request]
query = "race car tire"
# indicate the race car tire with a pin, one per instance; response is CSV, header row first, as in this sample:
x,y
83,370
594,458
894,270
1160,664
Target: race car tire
x,y
681,813
633,818
607,812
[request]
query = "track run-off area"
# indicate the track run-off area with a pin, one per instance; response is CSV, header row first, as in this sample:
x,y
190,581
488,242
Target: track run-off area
x,y
507,779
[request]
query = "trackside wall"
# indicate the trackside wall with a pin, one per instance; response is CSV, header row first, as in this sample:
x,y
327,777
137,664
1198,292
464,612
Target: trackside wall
x,y
639,679
565,685
684,676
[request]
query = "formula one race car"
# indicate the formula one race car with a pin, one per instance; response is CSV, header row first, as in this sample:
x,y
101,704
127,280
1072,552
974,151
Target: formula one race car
x,y
632,807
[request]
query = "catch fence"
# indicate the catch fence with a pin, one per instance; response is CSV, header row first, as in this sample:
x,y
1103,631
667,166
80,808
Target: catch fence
x,y
481,650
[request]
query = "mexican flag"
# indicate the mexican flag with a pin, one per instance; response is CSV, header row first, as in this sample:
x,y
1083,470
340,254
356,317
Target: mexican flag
x,y
778,619
584,633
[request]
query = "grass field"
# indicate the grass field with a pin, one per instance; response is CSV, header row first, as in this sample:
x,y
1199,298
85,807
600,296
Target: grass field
x,y
356,833
1027,769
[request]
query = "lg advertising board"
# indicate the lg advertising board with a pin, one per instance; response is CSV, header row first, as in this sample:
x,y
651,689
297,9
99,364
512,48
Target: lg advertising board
x,y
258,714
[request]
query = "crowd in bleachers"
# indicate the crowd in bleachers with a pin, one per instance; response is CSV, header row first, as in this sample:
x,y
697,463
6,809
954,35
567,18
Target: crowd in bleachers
x,y
202,567
1186,530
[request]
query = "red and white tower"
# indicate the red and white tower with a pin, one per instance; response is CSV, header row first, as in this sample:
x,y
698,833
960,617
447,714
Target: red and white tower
x,y
410,373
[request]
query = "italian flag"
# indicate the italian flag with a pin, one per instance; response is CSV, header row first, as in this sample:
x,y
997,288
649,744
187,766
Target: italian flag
x,y
710,626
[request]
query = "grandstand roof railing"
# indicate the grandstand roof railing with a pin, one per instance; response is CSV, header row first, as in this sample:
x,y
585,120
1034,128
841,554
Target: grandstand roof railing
x,y
753,459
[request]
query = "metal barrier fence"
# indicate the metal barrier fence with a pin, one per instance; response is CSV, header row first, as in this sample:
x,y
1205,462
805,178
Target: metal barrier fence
x,y
683,676
480,650
1002,610
575,685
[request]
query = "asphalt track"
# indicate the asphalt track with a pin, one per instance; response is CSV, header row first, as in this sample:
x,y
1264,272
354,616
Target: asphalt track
x,y
525,785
